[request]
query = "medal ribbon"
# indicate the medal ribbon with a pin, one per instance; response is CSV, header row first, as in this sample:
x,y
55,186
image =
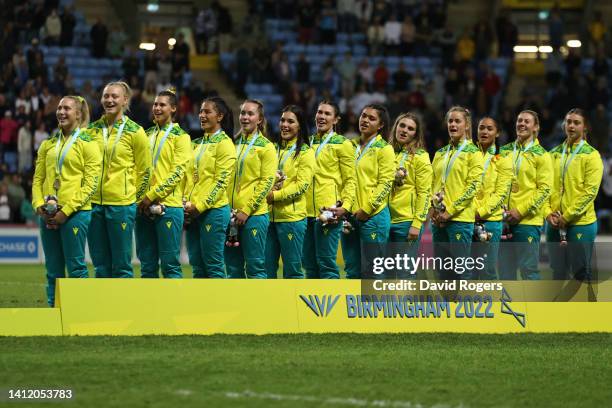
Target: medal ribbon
x,y
201,149
160,145
285,156
59,159
105,133
246,152
359,153
518,157
449,163
565,166
323,143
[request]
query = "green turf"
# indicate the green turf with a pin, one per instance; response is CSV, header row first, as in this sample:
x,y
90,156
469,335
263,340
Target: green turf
x,y
566,370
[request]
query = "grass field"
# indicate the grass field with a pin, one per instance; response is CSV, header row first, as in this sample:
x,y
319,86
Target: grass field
x,y
340,370
418,370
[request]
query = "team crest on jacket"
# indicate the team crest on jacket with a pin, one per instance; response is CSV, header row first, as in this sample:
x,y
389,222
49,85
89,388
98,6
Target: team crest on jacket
x,y
579,235
530,239
75,230
123,225
457,237
254,231
208,227
290,236
373,235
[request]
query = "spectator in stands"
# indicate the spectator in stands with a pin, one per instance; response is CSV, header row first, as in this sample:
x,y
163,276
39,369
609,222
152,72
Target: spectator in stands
x,y
447,40
347,18
408,36
53,28
555,28
401,78
131,63
507,34
60,70
376,36
491,84
365,74
306,21
348,74
225,26
33,54
302,70
261,65
597,31
328,23
38,69
21,66
16,194
466,48
40,135
5,210
180,56
381,77
483,39
363,12
393,32
8,134
68,22
99,36
116,41
24,147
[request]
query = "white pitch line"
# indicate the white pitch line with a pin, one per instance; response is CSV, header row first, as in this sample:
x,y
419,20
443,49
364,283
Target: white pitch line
x,y
354,402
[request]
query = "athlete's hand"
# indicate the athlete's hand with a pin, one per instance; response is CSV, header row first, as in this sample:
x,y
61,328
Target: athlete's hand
x,y
41,211
562,223
514,216
58,219
361,215
144,204
553,220
270,198
192,212
413,233
338,213
443,217
241,218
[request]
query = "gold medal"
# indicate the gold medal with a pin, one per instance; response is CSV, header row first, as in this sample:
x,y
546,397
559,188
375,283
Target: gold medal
x,y
57,184
515,187
196,176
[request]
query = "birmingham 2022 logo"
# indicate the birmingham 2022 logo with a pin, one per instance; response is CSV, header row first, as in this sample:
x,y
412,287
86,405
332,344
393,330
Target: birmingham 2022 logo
x,y
413,306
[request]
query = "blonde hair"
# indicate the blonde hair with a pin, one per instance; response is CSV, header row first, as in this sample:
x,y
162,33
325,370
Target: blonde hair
x,y
126,89
467,116
82,107
417,142
263,125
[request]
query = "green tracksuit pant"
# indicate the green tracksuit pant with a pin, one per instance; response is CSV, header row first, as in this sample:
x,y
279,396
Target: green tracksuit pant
x,y
489,251
249,257
65,249
453,241
399,244
110,240
321,250
366,242
206,243
158,242
573,260
522,251
285,239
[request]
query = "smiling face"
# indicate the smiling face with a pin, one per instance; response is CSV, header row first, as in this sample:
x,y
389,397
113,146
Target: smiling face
x,y
526,127
249,117
162,110
456,126
406,131
575,127
369,122
114,100
487,132
210,119
325,118
68,116
289,126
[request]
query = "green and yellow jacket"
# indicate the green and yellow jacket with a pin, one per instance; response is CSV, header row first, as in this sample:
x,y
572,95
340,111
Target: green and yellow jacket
x,y
494,187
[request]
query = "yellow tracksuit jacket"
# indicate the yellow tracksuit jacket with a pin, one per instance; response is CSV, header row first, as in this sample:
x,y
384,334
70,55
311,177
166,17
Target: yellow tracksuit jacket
x,y
334,177
290,201
80,172
126,163
410,201
494,187
580,185
253,176
166,183
215,169
463,179
534,181
375,169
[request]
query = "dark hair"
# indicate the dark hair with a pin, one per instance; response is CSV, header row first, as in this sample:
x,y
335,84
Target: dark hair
x,y
227,123
302,135
383,116
333,104
419,140
497,127
585,119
